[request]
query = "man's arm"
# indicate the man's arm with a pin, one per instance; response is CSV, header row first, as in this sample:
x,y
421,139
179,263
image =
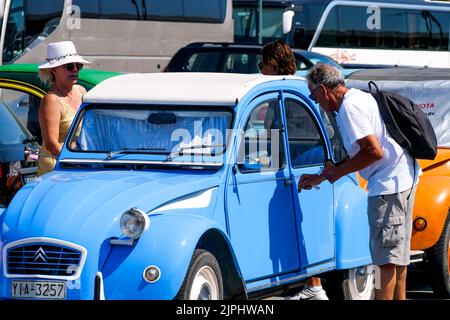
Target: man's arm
x,y
370,152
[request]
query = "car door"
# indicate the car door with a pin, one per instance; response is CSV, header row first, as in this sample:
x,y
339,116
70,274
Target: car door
x,y
23,99
19,104
259,200
314,208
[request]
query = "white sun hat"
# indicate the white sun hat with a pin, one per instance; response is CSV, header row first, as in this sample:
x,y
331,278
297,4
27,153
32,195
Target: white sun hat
x,y
59,53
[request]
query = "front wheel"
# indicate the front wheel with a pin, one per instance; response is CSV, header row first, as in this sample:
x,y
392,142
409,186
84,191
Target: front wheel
x,y
439,263
352,284
203,280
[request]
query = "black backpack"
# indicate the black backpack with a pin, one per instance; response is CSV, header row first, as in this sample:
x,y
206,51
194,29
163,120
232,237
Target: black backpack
x,y
407,124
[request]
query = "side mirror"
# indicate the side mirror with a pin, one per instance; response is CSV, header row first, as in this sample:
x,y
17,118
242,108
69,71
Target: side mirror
x,y
287,21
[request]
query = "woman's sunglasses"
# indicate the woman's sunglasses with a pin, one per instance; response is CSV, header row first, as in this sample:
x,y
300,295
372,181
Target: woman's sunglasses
x,y
71,66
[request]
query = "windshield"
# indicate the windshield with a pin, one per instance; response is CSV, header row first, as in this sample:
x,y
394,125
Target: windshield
x,y
158,134
245,22
319,58
306,18
28,23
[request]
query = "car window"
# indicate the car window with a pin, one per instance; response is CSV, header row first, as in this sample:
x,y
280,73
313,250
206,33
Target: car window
x,y
318,59
203,62
306,145
329,119
10,131
242,63
301,65
262,147
315,58
26,108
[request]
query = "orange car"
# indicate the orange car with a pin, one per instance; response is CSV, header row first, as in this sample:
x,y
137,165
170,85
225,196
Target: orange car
x,y
428,88
431,220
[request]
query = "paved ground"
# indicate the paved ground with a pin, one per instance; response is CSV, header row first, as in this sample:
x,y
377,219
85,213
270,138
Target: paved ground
x,y
418,286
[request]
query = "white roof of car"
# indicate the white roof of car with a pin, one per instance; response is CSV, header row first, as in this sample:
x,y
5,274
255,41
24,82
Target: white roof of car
x,y
184,88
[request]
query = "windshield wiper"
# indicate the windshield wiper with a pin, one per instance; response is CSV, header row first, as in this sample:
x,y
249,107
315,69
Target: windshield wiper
x,y
111,154
180,151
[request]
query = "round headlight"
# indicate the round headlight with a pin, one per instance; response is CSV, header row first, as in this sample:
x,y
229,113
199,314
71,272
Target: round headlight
x,y
134,222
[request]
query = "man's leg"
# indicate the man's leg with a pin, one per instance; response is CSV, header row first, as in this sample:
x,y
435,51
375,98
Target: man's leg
x,y
314,282
388,280
400,286
401,270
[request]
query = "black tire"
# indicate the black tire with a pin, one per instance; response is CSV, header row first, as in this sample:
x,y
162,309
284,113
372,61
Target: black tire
x,y
352,284
203,279
438,258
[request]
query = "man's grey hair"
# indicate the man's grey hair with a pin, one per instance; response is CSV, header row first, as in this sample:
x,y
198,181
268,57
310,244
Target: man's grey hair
x,y
325,74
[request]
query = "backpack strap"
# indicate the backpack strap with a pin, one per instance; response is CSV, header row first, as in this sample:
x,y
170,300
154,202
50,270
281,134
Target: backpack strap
x,y
414,179
370,84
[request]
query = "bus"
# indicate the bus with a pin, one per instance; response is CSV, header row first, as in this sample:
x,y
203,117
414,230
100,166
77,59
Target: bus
x,y
387,32
116,35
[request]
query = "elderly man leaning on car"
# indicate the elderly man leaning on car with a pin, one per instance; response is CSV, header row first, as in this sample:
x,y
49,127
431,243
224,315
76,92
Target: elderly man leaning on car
x,y
380,160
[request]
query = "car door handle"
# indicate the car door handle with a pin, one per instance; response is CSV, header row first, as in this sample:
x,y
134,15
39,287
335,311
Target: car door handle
x,y
288,181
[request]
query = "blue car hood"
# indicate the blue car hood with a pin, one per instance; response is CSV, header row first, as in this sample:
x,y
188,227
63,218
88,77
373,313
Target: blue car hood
x,y
73,205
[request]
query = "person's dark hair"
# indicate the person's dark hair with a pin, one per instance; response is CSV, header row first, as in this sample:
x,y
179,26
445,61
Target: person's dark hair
x,y
326,75
280,56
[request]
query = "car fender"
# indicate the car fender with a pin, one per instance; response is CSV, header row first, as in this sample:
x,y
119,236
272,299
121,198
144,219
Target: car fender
x,y
169,245
351,225
432,202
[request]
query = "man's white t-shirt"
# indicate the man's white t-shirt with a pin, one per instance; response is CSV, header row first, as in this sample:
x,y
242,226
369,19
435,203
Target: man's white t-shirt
x,y
359,117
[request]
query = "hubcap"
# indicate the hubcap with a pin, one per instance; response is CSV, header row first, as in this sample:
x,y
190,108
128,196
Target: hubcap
x,y
205,285
363,280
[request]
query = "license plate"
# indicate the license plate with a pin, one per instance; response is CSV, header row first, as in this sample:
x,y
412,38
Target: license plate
x,y
38,289
28,174
29,178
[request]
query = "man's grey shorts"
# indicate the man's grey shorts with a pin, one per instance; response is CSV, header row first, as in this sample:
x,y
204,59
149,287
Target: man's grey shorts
x,y
390,220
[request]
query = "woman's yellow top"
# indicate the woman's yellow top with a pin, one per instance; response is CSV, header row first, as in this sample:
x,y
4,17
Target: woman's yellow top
x,y
46,160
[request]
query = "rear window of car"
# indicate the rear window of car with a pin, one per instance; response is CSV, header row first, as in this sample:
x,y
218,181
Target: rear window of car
x,y
203,62
242,63
215,61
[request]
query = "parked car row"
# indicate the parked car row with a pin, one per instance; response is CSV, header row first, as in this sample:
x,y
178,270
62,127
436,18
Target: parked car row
x,y
233,58
122,145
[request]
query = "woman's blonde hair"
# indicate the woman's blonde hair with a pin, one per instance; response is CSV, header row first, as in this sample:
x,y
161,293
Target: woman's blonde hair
x,y
47,77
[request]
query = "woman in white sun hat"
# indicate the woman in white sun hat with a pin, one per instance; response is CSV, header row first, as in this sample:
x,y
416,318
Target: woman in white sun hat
x,y
58,107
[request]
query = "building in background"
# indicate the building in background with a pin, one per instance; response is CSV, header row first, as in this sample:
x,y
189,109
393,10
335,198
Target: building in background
x,y
394,32
117,35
